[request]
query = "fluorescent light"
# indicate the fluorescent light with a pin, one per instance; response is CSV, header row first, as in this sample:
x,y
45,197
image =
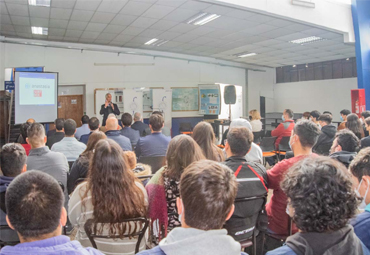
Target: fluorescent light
x,y
45,3
302,3
306,40
156,42
160,43
294,65
196,17
206,19
245,54
202,18
39,30
151,41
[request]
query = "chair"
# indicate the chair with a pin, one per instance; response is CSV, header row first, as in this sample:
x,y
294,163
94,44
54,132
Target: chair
x,y
186,128
132,231
268,147
8,236
283,146
257,136
155,162
268,133
281,238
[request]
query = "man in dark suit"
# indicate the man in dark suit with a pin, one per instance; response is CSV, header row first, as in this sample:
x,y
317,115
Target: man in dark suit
x,y
108,108
139,125
127,131
59,133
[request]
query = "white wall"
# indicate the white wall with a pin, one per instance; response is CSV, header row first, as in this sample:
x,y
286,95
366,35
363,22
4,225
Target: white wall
x,y
324,95
261,84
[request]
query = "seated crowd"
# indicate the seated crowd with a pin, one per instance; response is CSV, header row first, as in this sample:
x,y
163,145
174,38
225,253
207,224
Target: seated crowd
x,y
202,200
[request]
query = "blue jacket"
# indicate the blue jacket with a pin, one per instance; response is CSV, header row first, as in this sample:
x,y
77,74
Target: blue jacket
x,y
85,138
123,141
52,246
153,145
158,251
132,134
285,250
361,225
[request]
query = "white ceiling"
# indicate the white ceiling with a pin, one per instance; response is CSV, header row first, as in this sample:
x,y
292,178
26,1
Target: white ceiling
x,y
131,23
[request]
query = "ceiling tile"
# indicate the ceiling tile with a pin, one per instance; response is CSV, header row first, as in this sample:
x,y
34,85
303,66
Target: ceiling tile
x,y
180,15
182,28
56,31
151,33
86,40
123,38
158,11
112,6
81,15
73,33
140,39
90,35
196,6
268,42
58,23
315,31
98,41
22,29
116,43
169,35
17,9
71,39
171,44
6,27
277,33
123,20
164,25
65,4
218,9
256,30
185,38
77,25
5,19
3,9
16,1
25,35
59,13
143,22
114,29
298,27
202,30
95,27
102,17
259,18
202,40
219,33
132,30
39,12
22,21
87,5
173,3
279,22
240,14
55,38
135,8
290,37
107,36
39,22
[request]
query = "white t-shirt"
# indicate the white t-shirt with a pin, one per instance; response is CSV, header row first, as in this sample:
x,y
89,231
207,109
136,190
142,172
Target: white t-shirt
x,y
256,125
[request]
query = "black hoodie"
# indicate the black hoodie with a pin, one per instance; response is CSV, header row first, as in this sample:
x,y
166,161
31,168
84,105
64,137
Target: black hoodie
x,y
325,140
345,157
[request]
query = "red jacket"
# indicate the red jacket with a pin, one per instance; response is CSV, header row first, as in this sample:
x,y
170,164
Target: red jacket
x,y
284,129
27,148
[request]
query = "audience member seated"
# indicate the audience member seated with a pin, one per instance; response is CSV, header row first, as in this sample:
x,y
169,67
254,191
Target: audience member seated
x,y
207,193
25,145
34,203
354,124
93,126
80,167
252,179
364,116
306,116
165,130
285,128
110,116
111,194
302,139
69,145
360,170
365,142
255,119
314,116
156,143
163,187
327,112
127,131
84,129
321,202
205,137
343,117
139,125
43,159
115,134
255,154
139,169
344,147
326,136
58,135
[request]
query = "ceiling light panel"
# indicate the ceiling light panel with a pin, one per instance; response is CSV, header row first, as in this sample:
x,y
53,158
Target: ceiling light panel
x,y
39,30
44,3
202,18
307,40
156,42
245,54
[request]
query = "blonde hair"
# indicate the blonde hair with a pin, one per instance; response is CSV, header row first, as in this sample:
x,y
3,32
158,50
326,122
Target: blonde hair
x,y
255,114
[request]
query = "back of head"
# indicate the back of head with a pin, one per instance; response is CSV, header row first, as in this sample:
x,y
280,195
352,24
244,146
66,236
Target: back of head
x,y
345,112
365,114
240,140
111,115
255,115
34,201
12,159
204,136
69,127
137,116
182,151
31,120
328,180
36,134
354,124
347,140
94,138
327,112
208,190
130,158
289,113
111,124
85,119
93,123
315,114
59,124
306,115
360,165
156,121
24,128
327,118
367,121
126,119
307,132
240,123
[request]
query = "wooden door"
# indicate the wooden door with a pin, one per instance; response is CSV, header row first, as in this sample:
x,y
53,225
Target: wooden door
x,y
71,107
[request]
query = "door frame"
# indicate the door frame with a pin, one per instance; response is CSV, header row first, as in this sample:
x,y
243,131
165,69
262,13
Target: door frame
x,y
83,95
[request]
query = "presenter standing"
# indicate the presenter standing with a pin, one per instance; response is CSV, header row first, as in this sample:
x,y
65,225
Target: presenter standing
x,y
108,108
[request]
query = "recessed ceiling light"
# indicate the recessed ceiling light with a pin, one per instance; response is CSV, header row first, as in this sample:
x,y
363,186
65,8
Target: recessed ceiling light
x,y
39,30
151,41
245,54
156,42
306,40
202,18
45,3
347,58
294,65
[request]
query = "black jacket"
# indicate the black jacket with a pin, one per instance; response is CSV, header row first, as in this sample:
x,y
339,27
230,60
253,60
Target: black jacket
x,y
325,140
79,170
365,142
344,157
56,137
140,126
106,111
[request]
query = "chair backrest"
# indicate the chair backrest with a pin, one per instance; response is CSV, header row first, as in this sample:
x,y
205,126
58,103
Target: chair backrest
x,y
138,229
257,136
185,127
155,162
284,144
268,133
268,144
8,236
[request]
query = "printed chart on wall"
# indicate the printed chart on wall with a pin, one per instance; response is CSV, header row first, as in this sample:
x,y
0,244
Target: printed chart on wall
x,y
133,101
185,99
209,97
148,100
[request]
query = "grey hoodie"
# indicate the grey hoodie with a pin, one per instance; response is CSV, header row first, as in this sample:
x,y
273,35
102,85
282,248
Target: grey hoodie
x,y
185,241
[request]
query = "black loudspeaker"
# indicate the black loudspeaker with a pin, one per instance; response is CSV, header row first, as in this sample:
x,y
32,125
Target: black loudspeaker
x,y
230,94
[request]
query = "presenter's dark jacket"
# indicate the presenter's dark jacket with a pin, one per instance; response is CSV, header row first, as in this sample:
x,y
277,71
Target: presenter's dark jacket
x,y
106,111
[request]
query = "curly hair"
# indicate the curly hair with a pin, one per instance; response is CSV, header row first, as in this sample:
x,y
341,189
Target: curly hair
x,y
360,165
320,192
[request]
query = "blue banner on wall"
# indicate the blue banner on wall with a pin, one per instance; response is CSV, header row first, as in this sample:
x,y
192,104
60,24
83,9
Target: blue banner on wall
x,y
9,85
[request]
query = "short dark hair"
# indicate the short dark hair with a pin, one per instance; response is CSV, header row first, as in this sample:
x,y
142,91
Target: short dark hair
x,y
315,114
345,112
34,202
327,112
12,159
307,132
240,140
126,119
70,127
320,191
24,128
208,190
85,119
360,165
347,140
36,130
156,121
290,113
367,121
59,124
365,114
94,123
327,118
158,112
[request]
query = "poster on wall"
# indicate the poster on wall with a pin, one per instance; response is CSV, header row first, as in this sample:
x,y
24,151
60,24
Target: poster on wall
x,y
133,101
162,101
185,99
210,99
147,99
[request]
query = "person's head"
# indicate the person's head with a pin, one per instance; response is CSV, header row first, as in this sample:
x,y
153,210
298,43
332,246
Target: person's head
x,y
325,119
204,136
111,124
126,119
31,120
34,203
288,114
354,124
137,116
365,114
156,122
59,124
111,115
327,112
306,115
70,127
13,159
314,116
360,170
344,113
241,123
320,195
24,128
182,151
207,190
255,115
94,138
239,141
108,97
367,123
36,136
345,140
85,119
130,158
304,135
94,123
